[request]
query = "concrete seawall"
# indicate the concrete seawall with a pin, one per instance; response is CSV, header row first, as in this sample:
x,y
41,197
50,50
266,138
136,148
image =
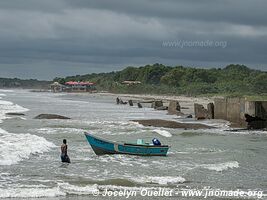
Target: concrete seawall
x,y
234,110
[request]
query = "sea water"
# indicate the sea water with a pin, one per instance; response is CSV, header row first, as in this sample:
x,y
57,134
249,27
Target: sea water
x,y
30,164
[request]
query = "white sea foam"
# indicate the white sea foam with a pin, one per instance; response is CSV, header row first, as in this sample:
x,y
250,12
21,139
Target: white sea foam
x,y
7,106
217,123
221,166
161,180
163,132
7,91
123,160
58,130
78,190
235,132
99,189
27,192
202,150
122,188
125,124
95,188
222,131
16,147
109,127
62,189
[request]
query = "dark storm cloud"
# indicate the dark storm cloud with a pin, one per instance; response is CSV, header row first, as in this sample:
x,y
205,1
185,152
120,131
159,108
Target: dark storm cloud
x,y
51,38
232,11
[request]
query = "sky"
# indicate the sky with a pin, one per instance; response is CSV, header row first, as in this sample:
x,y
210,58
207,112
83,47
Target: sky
x,y
55,38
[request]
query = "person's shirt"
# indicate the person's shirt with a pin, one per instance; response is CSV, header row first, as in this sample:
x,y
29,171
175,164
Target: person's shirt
x,y
64,148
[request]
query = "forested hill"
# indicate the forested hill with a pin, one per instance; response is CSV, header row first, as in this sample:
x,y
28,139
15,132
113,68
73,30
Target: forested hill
x,y
160,79
27,84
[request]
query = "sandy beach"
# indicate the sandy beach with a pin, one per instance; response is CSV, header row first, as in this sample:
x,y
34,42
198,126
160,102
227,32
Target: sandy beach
x,y
185,102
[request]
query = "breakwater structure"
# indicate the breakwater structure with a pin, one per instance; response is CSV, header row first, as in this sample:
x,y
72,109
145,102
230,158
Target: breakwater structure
x,y
241,112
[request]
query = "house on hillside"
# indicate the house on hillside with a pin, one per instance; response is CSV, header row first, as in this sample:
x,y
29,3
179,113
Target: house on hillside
x,y
73,86
57,87
131,82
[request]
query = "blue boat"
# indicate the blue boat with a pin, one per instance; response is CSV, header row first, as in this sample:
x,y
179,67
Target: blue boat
x,y
102,146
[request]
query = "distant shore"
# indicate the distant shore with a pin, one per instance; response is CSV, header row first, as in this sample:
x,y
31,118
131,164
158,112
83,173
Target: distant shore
x,y
186,103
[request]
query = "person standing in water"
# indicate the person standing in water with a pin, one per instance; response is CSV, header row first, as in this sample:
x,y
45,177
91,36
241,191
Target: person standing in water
x,y
64,152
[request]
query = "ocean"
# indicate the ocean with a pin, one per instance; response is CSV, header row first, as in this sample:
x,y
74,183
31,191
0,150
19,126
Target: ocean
x,y
198,160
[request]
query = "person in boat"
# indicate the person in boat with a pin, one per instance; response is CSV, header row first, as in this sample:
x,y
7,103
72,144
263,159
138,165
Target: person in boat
x,y
64,152
156,142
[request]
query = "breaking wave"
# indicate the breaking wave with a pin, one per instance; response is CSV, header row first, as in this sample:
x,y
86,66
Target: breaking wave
x,y
162,180
16,147
221,166
58,130
163,132
7,106
63,189
30,192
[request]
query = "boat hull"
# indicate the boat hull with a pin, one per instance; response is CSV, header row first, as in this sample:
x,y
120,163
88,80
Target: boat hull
x,y
102,146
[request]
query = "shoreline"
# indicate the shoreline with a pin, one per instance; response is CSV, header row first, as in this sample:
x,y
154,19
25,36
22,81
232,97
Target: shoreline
x,y
186,103
146,96
160,97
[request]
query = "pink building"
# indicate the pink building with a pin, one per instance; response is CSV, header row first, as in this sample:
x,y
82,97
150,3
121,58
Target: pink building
x,y
74,86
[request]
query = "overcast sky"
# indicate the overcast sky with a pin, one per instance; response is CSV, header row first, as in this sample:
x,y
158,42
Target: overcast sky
x,y
48,38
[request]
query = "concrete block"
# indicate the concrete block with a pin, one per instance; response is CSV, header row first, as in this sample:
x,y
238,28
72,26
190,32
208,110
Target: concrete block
x,y
156,104
174,108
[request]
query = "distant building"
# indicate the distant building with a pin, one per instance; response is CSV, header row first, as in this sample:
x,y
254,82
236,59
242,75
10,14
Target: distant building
x,y
57,87
131,82
73,86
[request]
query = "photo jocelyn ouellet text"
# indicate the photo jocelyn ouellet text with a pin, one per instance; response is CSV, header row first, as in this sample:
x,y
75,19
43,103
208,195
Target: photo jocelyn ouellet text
x,y
166,192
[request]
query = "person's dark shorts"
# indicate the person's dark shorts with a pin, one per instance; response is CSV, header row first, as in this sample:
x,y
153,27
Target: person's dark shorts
x,y
65,158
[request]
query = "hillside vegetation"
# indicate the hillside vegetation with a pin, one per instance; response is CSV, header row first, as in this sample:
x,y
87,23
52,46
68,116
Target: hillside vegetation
x,y
160,79
27,84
